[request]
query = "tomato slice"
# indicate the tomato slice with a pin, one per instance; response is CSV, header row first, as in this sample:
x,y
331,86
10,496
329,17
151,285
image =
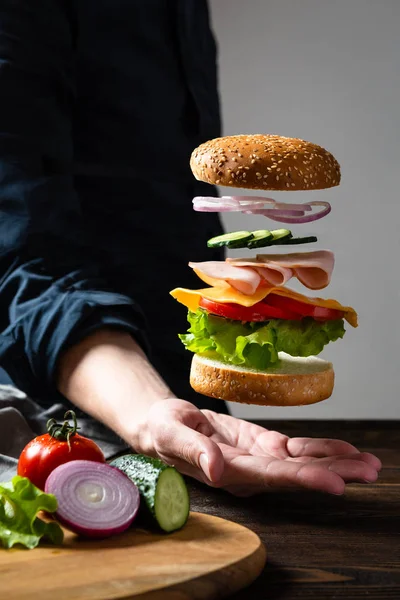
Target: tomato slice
x,y
327,314
300,308
258,312
272,307
318,313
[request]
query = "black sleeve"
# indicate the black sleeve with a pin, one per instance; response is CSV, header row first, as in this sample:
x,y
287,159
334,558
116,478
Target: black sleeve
x,y
51,291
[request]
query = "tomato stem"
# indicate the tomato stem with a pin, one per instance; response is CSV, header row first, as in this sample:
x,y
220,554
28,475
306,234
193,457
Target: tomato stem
x,y
64,431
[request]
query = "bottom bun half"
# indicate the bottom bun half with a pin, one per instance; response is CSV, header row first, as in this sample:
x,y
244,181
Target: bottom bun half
x,y
297,381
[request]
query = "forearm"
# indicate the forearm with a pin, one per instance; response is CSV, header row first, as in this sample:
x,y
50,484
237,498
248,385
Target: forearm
x,y
108,376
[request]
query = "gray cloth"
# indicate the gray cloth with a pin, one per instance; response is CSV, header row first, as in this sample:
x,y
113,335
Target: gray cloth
x,y
21,419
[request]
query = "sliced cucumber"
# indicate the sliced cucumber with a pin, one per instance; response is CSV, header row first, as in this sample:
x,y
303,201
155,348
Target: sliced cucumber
x,y
300,240
162,489
258,239
235,239
261,237
280,236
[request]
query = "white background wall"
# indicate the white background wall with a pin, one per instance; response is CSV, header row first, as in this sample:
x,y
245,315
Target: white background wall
x,y
329,71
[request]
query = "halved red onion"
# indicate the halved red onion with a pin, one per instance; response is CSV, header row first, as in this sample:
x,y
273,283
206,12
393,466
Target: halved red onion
x,y
299,219
94,499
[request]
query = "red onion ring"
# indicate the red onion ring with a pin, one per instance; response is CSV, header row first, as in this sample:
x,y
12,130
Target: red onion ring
x,y
300,219
248,204
266,212
223,204
300,207
256,199
276,205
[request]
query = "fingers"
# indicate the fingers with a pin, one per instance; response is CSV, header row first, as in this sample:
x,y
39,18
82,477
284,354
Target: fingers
x,y
178,439
354,470
329,475
371,459
318,448
192,447
260,474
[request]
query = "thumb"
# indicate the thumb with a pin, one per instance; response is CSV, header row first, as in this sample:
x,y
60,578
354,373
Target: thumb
x,y
190,450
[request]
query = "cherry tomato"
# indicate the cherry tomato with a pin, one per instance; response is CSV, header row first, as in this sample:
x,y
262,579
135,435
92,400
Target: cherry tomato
x,y
60,445
319,313
258,312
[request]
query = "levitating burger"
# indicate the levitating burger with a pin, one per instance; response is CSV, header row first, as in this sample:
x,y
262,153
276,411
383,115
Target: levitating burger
x,y
254,339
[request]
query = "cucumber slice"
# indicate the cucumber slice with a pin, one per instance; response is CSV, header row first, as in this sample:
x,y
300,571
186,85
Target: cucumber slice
x,y
280,236
235,239
261,237
162,489
300,240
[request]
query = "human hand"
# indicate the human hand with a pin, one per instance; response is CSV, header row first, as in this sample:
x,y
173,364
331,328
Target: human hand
x,y
246,459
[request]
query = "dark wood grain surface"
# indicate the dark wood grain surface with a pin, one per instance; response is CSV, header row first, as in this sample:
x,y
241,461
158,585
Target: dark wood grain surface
x,y
318,546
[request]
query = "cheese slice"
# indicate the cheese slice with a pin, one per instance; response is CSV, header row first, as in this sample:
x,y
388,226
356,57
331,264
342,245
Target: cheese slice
x,y
223,292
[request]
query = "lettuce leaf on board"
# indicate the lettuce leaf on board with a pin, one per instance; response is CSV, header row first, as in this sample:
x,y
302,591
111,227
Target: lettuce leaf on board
x,y
20,502
255,345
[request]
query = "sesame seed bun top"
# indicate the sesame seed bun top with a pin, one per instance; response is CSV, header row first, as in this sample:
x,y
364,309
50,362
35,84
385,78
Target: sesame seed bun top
x,y
265,162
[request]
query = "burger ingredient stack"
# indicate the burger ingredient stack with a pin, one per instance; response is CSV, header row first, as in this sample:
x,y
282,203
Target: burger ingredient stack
x,y
254,339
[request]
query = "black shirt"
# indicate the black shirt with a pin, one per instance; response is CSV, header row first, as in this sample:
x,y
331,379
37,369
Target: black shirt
x,y
101,104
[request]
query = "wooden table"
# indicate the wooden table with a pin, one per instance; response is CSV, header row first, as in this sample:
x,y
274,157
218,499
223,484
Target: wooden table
x,y
319,546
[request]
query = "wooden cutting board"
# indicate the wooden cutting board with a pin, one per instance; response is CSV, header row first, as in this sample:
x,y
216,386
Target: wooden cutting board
x,y
209,558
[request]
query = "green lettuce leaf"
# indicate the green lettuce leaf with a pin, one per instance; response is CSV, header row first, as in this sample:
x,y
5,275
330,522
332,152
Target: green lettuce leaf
x,y
255,345
306,337
20,502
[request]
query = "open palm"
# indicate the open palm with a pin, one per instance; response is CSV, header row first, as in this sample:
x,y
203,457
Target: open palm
x,y
247,459
257,459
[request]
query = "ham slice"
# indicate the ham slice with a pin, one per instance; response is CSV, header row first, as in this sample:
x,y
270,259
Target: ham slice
x,y
273,273
312,269
243,279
